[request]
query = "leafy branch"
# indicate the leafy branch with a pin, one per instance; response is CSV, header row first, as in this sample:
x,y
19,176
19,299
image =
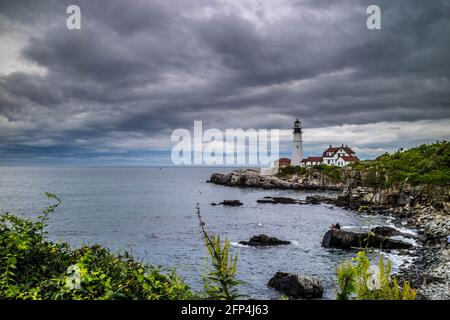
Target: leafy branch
x,y
45,213
221,282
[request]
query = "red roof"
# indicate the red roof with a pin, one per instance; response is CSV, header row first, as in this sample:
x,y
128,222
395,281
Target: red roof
x,y
330,149
348,150
350,158
284,159
333,150
312,159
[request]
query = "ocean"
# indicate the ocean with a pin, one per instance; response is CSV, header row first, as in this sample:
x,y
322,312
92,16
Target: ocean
x,y
150,211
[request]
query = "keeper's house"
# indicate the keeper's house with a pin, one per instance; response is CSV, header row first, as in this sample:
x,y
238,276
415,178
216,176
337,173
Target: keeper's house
x,y
333,156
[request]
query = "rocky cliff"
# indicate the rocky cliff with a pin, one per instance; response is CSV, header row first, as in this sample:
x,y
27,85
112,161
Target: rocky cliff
x,y
425,207
311,180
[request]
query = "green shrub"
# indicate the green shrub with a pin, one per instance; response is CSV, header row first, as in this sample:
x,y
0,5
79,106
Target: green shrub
x,y
291,170
356,281
33,268
333,172
425,164
220,283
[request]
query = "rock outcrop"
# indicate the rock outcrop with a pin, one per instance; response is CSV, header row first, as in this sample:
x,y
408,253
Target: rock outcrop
x,y
386,231
278,200
296,286
312,180
341,239
396,196
264,240
424,207
315,199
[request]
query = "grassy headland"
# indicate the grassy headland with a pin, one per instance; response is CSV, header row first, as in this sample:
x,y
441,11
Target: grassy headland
x,y
425,164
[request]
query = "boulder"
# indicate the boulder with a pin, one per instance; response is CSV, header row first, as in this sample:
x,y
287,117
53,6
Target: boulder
x,y
264,240
277,200
385,231
341,239
230,203
295,286
318,199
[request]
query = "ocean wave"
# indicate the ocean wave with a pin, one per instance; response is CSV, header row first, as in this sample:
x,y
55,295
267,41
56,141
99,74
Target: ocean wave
x,y
238,245
295,243
398,260
404,230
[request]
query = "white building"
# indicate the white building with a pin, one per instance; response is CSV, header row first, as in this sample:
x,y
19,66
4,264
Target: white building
x,y
297,144
333,156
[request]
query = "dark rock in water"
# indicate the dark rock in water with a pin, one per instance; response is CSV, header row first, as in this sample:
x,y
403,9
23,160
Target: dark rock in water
x,y
341,239
318,199
264,240
296,286
343,200
385,231
315,199
277,200
231,203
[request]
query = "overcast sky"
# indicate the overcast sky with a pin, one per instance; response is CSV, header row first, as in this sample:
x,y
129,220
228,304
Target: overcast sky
x,y
113,92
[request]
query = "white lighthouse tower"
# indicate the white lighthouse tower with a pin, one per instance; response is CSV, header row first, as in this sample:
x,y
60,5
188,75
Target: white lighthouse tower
x,y
297,144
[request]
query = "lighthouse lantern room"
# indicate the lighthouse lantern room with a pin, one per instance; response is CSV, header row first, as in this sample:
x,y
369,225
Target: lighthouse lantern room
x,y
297,144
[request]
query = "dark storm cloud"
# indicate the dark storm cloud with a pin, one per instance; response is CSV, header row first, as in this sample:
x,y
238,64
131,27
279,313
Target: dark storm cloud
x,y
143,68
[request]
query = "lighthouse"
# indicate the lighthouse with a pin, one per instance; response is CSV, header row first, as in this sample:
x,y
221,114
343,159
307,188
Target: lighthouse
x,y
297,144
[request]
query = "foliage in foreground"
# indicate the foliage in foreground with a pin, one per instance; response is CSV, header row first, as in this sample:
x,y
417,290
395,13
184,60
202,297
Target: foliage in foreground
x,y
33,268
357,281
220,283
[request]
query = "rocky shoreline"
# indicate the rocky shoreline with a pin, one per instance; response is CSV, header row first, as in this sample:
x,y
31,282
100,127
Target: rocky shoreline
x,y
424,208
427,210
252,178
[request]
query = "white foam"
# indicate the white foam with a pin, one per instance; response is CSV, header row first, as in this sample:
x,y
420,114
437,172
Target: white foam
x,y
398,260
350,227
404,230
238,245
404,239
295,243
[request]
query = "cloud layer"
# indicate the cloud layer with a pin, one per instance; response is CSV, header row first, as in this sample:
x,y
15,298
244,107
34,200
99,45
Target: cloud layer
x,y
115,90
